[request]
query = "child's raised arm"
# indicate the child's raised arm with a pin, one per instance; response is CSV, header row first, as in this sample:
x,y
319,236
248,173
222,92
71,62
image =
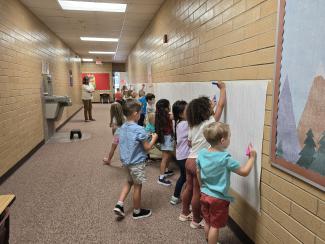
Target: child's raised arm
x,y
198,175
148,145
245,169
221,102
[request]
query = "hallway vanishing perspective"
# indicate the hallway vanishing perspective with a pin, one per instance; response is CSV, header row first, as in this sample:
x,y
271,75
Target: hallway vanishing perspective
x,y
66,195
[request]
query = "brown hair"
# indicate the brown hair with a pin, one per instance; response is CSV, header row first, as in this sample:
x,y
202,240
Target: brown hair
x,y
215,131
198,110
131,106
117,113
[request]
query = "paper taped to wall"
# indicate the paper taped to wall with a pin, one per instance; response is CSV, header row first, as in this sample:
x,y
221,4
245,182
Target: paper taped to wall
x,y
244,112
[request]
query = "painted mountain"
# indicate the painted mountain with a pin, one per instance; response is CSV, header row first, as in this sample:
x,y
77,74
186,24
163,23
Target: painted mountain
x,y
313,116
288,146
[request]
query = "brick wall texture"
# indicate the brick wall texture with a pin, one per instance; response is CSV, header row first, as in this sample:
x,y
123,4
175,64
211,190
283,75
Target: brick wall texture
x,y
233,40
24,43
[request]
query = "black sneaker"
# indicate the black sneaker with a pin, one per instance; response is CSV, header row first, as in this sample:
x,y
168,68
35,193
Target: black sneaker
x,y
169,173
143,214
164,181
119,210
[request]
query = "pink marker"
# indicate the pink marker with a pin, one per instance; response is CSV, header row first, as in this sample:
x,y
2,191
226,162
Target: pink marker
x,y
248,150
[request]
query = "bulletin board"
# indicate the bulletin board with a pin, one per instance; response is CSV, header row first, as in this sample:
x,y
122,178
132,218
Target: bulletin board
x,y
101,81
298,131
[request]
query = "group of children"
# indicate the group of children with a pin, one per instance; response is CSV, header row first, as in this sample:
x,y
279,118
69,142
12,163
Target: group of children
x,y
201,142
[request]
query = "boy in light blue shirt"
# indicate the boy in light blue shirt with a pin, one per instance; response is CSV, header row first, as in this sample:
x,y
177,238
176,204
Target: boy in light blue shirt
x,y
133,145
214,166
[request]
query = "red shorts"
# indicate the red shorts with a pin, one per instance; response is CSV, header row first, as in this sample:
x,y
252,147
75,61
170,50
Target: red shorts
x,y
214,210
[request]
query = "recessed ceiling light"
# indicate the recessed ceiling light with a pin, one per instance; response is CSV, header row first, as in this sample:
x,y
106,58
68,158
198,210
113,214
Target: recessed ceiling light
x,y
87,59
100,52
99,39
92,6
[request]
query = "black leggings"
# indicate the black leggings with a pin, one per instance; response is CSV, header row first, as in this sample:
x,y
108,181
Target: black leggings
x,y
141,120
182,178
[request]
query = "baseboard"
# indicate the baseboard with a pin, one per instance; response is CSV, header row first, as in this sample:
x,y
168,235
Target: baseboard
x,y
13,169
68,119
241,235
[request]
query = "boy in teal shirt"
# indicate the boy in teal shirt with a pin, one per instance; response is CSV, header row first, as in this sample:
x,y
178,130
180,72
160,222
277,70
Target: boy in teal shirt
x,y
214,166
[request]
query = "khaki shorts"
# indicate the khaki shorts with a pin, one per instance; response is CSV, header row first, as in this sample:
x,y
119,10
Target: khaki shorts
x,y
136,173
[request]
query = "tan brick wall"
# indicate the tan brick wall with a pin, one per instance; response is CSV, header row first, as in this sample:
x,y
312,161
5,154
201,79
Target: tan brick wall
x,y
230,40
98,68
24,43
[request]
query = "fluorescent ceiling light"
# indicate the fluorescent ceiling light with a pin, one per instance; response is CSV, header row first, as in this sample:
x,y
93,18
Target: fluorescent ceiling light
x,y
92,6
87,59
100,52
99,39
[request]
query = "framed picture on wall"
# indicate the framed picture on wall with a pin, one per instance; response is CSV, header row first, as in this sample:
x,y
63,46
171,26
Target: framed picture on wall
x,y
298,131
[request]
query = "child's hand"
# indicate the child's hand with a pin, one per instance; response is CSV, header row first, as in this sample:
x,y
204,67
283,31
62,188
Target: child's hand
x,y
154,136
252,153
221,85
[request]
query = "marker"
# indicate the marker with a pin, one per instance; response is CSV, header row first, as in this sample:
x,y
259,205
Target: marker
x,y
248,150
214,82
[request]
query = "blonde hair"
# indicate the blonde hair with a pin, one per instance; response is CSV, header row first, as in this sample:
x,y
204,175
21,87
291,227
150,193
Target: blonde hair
x,y
151,118
215,131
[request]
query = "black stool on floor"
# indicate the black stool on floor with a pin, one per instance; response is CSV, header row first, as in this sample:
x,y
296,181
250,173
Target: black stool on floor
x,y
75,132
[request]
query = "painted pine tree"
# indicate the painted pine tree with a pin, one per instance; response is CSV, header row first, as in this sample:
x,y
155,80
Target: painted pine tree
x,y
279,150
318,165
308,151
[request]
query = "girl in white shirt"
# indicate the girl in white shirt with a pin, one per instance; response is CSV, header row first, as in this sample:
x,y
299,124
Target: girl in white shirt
x,y
199,113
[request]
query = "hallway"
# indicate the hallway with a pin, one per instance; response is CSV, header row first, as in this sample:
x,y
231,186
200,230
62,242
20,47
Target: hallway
x,y
66,195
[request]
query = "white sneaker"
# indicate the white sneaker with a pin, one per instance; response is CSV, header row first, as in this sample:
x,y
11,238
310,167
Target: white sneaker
x,y
195,225
174,200
184,218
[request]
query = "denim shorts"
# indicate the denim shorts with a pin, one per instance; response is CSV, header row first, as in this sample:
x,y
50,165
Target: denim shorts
x,y
168,145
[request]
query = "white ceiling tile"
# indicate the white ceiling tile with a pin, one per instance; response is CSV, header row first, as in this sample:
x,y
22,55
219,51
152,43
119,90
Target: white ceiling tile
x,y
70,25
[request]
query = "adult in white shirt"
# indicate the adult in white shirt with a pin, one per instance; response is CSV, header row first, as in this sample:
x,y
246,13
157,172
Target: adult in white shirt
x,y
86,97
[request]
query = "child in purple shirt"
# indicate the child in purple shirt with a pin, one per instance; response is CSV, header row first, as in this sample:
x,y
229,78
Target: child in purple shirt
x,y
182,147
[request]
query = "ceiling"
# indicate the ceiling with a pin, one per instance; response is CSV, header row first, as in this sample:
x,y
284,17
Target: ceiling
x,y
71,25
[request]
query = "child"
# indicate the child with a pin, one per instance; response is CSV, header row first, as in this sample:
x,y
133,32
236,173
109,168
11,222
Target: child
x,y
154,153
143,102
150,126
164,129
182,147
150,98
117,119
214,167
199,114
133,146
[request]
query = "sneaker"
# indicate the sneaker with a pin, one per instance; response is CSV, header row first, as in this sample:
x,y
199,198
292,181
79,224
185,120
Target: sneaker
x,y
119,210
183,217
143,214
168,173
164,182
195,225
174,200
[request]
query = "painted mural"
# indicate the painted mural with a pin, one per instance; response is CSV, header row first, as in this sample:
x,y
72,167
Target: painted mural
x,y
299,137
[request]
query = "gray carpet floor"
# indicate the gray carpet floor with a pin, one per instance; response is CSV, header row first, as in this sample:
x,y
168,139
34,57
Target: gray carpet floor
x,y
66,195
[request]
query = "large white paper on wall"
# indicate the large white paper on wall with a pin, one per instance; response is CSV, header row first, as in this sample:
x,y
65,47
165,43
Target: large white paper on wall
x,y
184,90
244,113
